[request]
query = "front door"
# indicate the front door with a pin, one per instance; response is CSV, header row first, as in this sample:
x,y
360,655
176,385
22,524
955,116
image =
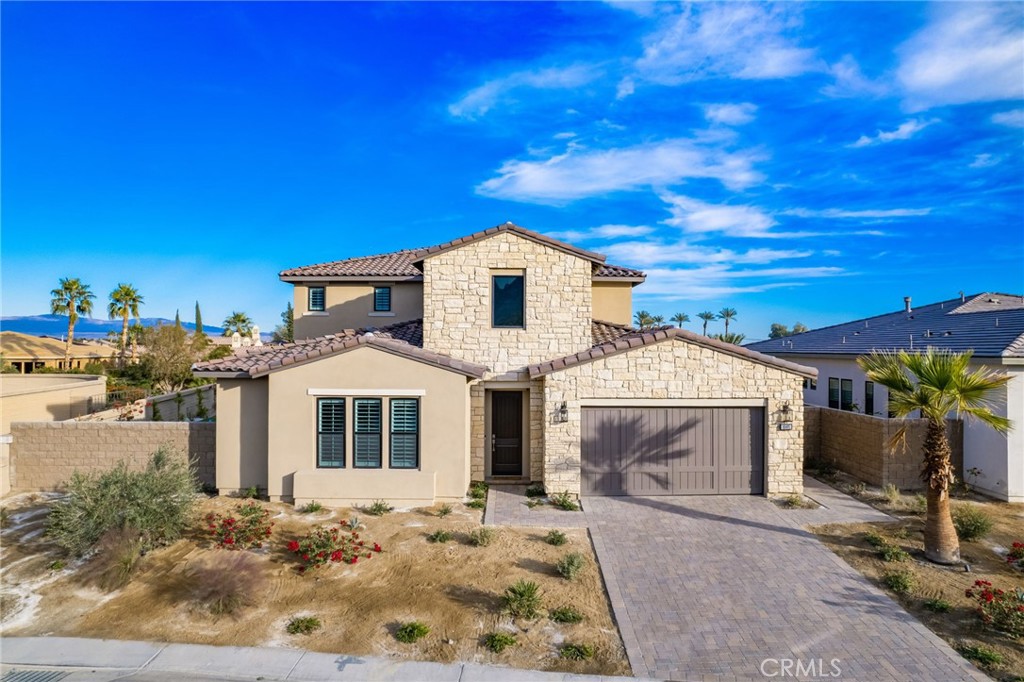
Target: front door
x,y
506,433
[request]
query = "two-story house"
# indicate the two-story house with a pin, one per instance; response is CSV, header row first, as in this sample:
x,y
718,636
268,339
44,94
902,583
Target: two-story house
x,y
503,356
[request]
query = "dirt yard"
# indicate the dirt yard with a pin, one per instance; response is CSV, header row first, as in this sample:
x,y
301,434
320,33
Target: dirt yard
x,y
960,626
454,588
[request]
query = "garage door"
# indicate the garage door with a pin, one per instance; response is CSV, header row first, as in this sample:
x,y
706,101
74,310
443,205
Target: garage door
x,y
673,450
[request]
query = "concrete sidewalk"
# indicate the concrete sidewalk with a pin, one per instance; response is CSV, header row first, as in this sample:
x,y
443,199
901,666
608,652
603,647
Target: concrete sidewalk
x,y
96,660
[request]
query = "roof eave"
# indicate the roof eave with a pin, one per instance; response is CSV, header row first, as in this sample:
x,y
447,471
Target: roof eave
x,y
350,278
632,280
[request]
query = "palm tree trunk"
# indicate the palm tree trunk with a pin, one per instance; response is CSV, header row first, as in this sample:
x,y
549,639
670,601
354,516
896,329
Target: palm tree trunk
x,y
941,543
67,344
124,339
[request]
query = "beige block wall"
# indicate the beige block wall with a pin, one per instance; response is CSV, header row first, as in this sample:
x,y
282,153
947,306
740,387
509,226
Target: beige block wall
x,y
457,303
241,434
45,454
171,408
47,397
5,465
672,369
292,474
350,306
613,302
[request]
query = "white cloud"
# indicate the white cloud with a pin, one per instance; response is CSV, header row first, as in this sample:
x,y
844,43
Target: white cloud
x,y
730,114
744,41
840,213
647,253
483,98
568,135
625,88
969,52
695,216
716,281
985,161
906,131
602,232
1013,118
582,173
851,82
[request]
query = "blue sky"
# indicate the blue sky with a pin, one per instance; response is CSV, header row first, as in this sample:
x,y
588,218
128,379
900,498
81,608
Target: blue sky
x,y
796,162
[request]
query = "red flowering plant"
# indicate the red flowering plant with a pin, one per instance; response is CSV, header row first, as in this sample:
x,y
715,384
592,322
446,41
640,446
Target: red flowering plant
x,y
1000,609
248,528
1016,555
337,544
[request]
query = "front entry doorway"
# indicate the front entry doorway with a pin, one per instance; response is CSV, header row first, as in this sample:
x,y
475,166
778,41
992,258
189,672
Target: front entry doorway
x,y
506,433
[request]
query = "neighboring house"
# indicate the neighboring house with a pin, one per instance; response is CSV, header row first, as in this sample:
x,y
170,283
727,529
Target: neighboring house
x,y
990,325
27,353
502,356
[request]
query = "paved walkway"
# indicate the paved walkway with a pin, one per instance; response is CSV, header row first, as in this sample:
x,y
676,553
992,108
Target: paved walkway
x,y
506,506
94,660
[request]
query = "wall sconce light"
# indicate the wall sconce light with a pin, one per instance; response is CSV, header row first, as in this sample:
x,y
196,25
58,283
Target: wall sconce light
x,y
785,418
563,412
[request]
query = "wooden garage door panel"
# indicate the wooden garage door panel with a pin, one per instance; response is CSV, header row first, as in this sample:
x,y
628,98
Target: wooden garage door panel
x,y
672,451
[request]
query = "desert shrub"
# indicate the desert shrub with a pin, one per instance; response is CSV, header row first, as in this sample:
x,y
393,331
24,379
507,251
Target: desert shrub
x,y
248,528
534,502
937,605
565,614
58,565
523,599
411,632
874,539
920,504
157,503
476,504
565,501
901,533
227,582
892,553
478,490
499,641
856,489
5,517
556,538
440,535
250,493
576,652
891,493
899,582
303,625
535,490
971,522
335,544
117,556
481,537
570,565
998,608
378,508
980,654
311,507
444,510
353,524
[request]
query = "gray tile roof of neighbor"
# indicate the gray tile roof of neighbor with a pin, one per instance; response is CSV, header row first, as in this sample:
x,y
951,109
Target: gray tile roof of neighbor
x,y
992,325
402,264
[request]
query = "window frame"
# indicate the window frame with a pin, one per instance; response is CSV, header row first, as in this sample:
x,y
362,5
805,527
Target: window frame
x,y
869,397
376,306
320,433
810,384
391,432
833,387
323,300
356,432
846,389
494,300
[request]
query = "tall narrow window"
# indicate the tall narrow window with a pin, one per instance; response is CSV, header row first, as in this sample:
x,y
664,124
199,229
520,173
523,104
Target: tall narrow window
x,y
869,397
382,299
330,433
317,300
833,393
405,433
846,396
366,440
507,301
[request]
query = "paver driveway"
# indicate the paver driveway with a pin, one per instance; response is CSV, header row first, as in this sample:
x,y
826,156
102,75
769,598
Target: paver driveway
x,y
711,587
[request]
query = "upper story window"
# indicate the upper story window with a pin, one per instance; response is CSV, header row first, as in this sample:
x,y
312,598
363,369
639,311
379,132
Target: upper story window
x,y
317,299
508,301
382,299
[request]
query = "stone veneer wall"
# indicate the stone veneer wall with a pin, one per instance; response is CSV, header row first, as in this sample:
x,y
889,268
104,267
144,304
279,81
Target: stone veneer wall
x,y
673,369
862,446
44,454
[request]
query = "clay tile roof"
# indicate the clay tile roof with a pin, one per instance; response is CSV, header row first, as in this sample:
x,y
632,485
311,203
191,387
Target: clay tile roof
x,y
396,264
605,271
635,339
605,332
404,338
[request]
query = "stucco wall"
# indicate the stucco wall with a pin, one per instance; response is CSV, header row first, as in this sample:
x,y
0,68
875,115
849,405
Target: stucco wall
x,y
47,397
45,454
672,369
613,302
457,303
292,473
863,446
241,434
350,306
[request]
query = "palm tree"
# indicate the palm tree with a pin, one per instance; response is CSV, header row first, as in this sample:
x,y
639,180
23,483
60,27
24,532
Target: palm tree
x,y
707,316
679,318
237,322
71,298
937,383
124,303
643,319
727,314
730,337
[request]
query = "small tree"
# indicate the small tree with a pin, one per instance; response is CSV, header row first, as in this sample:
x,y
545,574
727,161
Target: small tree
x,y
285,332
71,298
679,318
199,322
707,316
168,357
727,315
237,322
779,331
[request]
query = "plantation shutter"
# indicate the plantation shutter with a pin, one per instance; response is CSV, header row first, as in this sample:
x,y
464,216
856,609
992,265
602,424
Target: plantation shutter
x,y
405,435
367,433
317,299
331,432
382,299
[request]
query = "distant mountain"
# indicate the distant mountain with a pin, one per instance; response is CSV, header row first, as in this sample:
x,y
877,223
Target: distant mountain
x,y
86,327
